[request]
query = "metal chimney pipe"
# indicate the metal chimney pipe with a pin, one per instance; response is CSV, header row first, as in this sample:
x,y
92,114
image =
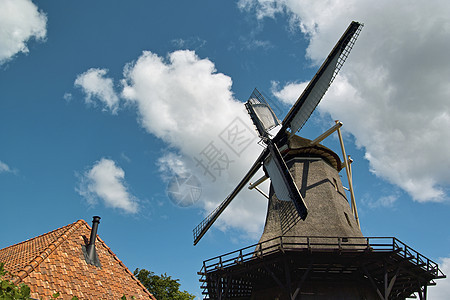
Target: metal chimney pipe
x,y
91,246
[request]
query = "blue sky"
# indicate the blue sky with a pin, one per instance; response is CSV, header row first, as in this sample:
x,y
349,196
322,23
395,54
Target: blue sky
x,y
102,103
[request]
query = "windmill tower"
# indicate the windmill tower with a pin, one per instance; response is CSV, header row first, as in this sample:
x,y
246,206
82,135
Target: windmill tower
x,y
312,246
315,170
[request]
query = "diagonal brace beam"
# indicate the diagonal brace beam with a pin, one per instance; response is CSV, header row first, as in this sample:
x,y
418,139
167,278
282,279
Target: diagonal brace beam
x,y
302,280
373,283
391,283
278,281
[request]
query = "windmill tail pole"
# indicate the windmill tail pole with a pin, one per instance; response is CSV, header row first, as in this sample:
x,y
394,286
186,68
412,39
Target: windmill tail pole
x,y
349,177
326,133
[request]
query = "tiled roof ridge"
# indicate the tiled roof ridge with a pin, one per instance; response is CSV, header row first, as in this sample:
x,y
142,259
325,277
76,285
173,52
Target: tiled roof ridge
x,y
123,265
36,237
45,253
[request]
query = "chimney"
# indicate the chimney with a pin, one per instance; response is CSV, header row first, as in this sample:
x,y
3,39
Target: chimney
x,y
90,253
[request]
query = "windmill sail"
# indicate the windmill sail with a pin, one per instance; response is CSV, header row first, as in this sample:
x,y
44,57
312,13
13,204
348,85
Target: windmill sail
x,y
282,181
261,114
203,227
311,96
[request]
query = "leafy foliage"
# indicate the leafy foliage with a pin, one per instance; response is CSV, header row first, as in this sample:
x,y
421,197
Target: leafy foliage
x,y
162,287
10,291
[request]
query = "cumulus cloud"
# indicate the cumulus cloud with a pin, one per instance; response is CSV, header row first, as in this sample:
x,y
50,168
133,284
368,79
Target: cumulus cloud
x,y
20,21
393,92
95,85
106,181
442,289
289,93
184,101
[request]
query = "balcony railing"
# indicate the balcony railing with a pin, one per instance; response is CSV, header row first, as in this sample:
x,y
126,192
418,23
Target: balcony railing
x,y
317,244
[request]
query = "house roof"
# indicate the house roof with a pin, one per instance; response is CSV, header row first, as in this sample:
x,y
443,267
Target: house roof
x,y
54,262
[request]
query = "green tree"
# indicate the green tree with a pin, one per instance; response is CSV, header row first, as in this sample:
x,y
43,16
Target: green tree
x,y
162,287
10,291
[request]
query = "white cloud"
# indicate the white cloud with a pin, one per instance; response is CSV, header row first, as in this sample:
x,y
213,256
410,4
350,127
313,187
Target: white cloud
x,y
184,101
171,164
4,168
95,85
106,181
20,21
442,289
67,97
265,8
193,42
289,93
251,43
393,92
383,201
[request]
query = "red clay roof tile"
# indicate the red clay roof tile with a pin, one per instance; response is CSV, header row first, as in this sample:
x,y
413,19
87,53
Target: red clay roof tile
x,y
54,262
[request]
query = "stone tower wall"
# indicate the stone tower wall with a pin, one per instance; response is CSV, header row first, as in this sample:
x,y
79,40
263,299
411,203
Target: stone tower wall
x,y
329,213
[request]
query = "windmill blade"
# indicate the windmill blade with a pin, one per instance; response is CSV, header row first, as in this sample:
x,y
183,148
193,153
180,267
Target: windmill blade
x,y
311,96
282,181
261,114
203,227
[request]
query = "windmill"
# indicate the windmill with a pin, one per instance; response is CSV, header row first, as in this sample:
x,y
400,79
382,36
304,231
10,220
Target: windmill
x,y
325,256
264,119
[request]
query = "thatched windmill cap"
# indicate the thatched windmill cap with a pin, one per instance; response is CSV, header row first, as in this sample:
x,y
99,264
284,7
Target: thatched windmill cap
x,y
299,146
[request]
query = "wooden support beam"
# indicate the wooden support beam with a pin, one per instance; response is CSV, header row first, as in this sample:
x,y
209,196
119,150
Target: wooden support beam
x,y
420,293
219,287
349,176
227,288
302,280
257,182
350,161
259,190
287,274
280,284
373,283
386,296
391,283
326,134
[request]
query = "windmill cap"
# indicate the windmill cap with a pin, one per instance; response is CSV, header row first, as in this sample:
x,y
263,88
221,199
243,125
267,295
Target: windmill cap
x,y
299,146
